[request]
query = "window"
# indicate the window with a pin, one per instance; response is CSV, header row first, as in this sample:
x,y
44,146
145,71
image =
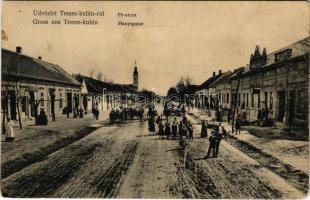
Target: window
x,y
60,99
243,100
227,98
266,99
247,100
270,101
239,97
42,99
283,55
24,103
258,100
300,101
252,100
233,99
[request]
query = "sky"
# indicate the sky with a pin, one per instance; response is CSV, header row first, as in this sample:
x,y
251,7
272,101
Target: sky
x,y
177,38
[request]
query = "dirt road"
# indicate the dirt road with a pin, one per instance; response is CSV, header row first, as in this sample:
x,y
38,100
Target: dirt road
x,y
124,161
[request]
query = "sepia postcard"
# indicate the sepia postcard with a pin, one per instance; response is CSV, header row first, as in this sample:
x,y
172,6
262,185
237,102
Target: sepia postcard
x,y
155,99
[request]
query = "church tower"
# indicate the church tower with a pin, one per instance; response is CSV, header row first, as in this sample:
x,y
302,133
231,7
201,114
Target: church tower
x,y
136,77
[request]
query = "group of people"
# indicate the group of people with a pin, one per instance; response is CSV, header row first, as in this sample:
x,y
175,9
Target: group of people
x,y
78,112
152,112
217,134
124,114
183,129
240,119
174,110
262,116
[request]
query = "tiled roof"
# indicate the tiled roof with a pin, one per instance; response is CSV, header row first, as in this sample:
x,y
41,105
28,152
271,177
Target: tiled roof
x,y
97,87
22,66
208,82
224,77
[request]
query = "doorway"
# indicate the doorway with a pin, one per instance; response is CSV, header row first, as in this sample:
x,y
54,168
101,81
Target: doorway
x,y
32,103
281,105
292,107
69,102
85,104
12,101
52,103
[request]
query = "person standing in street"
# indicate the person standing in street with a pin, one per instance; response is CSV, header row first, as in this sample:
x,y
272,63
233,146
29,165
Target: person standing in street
x,y
212,143
151,123
238,125
224,132
161,130
97,113
167,129
219,129
190,131
229,115
204,130
174,128
158,119
180,129
218,138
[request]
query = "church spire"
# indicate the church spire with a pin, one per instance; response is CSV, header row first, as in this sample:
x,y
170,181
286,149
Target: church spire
x,y
135,76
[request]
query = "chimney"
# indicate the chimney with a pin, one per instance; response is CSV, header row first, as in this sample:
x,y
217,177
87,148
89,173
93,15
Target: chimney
x,y
220,72
213,74
40,58
19,50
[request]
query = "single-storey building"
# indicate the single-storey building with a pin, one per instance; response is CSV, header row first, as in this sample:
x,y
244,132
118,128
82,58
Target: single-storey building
x,y
30,84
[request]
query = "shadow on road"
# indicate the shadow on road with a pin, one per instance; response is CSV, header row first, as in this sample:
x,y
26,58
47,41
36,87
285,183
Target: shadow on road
x,y
177,149
146,135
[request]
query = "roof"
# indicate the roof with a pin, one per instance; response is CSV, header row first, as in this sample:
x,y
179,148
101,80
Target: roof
x,y
299,48
97,87
224,77
208,82
234,74
23,66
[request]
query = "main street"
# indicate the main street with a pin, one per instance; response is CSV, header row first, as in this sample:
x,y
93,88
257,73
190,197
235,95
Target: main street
x,y
124,161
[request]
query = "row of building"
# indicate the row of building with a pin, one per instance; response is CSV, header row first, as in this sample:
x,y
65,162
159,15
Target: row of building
x,y
30,84
277,82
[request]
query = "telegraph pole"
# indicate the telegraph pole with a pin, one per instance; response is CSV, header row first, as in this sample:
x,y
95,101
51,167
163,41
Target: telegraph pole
x,y
17,104
235,102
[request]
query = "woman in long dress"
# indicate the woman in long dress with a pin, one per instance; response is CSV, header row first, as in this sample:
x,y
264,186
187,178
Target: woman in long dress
x,y
167,129
204,130
151,125
161,130
180,129
174,128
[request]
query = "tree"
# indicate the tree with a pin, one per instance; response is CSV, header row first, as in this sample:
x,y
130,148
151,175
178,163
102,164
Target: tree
x,y
182,86
108,80
99,76
188,81
91,73
172,91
